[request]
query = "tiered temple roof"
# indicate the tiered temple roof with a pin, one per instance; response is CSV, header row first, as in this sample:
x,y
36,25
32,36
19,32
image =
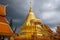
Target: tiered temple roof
x,y
3,19
5,29
4,26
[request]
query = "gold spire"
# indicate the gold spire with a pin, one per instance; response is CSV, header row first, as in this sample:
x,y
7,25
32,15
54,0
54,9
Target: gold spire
x,y
30,15
30,6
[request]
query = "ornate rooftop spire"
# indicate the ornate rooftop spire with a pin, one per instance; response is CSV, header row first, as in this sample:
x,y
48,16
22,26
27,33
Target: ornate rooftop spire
x,y
3,10
30,6
30,15
3,13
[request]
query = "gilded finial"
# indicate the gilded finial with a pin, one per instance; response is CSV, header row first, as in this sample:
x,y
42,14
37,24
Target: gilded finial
x,y
30,6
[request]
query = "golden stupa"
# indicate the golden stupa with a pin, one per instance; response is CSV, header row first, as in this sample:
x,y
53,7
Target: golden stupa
x,y
33,28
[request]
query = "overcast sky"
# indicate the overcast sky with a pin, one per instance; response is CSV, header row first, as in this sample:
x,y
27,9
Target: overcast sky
x,y
46,10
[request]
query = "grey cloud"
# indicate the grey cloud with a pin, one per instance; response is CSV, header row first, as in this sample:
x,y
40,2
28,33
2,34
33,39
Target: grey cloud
x,y
43,9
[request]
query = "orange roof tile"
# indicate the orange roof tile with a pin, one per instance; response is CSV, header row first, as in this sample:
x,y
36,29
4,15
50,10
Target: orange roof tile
x,y
2,10
5,29
57,36
3,19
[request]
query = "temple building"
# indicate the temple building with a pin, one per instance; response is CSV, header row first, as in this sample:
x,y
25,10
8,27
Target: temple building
x,y
34,29
57,35
5,30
